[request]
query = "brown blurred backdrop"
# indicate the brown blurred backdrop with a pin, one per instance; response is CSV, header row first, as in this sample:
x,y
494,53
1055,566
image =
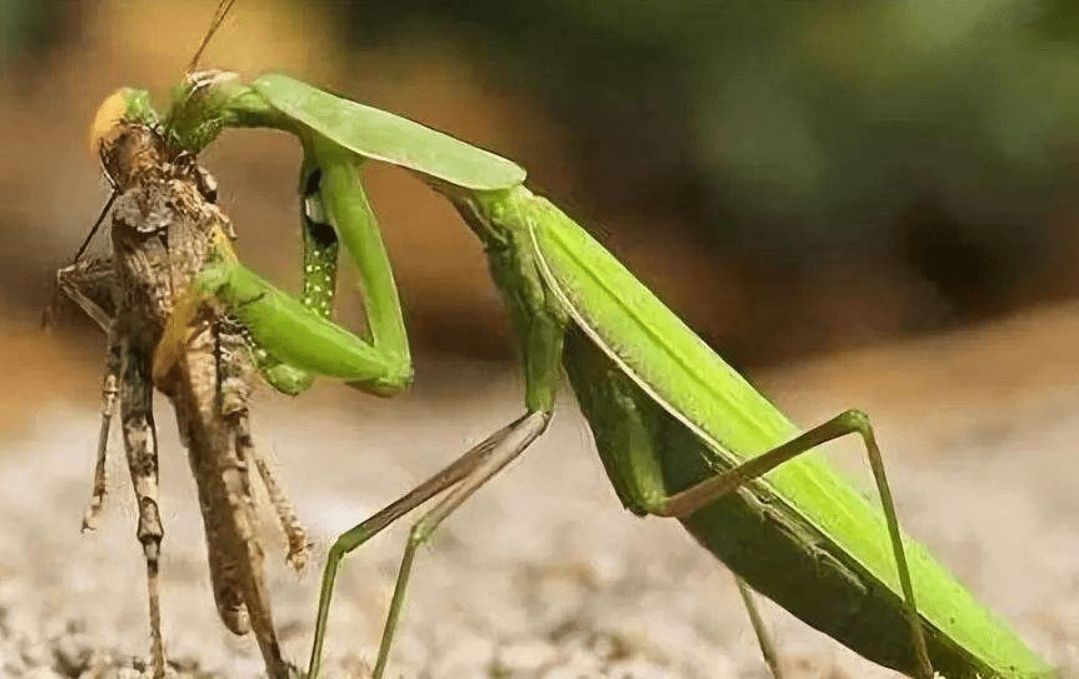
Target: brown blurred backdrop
x,y
791,177
887,189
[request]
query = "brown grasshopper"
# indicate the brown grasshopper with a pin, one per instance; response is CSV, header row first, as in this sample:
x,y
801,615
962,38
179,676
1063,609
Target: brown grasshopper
x,y
163,224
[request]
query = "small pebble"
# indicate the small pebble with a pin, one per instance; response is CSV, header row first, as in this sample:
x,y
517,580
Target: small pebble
x,y
73,654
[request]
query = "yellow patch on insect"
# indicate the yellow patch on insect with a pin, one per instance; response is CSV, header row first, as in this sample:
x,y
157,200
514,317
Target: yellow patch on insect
x,y
221,245
179,331
106,123
186,312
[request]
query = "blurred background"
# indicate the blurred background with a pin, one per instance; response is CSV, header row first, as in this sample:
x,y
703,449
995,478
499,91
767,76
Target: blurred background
x,y
890,181
792,177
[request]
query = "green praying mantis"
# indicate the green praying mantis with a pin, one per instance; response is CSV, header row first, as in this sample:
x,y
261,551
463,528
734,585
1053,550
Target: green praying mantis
x,y
679,432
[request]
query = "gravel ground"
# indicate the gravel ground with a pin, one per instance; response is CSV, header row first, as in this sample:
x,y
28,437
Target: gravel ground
x,y
541,574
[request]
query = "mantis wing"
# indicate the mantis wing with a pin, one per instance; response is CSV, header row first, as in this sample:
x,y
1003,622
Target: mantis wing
x,y
376,134
682,373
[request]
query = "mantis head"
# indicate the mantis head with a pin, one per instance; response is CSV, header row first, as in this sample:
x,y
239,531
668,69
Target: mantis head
x,y
204,103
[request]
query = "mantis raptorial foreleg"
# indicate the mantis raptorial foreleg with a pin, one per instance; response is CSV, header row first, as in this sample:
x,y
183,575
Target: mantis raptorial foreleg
x,y
334,209
320,250
804,537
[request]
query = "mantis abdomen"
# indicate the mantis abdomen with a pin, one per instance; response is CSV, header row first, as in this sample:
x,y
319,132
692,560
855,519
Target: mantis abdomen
x,y
751,531
800,535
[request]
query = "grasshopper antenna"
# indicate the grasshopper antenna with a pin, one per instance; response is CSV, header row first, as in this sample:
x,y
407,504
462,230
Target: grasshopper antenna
x,y
104,210
50,309
97,224
220,13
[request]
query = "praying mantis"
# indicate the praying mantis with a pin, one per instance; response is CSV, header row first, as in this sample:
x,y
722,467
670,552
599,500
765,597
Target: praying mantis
x,y
679,432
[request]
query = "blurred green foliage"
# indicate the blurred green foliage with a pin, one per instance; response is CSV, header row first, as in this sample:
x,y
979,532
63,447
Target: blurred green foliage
x,y
28,27
841,115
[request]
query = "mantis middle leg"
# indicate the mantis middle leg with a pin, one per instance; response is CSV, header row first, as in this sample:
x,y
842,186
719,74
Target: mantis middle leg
x,y
520,435
358,535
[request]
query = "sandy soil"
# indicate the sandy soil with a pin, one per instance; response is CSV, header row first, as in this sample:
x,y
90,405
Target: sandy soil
x,y
542,574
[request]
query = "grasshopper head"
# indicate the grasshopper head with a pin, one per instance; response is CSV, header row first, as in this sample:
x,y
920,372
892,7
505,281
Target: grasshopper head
x,y
125,105
131,151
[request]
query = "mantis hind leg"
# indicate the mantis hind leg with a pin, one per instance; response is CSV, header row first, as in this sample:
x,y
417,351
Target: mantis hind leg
x,y
628,431
764,638
690,500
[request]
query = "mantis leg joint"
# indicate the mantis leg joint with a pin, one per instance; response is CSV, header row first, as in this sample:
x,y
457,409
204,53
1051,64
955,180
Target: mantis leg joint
x,y
856,420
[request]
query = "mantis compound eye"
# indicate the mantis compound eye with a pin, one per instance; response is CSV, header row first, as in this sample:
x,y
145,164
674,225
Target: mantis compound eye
x,y
107,120
201,80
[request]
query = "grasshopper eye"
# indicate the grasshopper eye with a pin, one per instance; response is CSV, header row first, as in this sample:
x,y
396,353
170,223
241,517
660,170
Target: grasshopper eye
x,y
109,114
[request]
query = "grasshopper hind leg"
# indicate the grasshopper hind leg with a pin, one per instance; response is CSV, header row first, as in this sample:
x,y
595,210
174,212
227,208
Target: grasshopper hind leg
x,y
89,284
110,392
127,378
233,384
299,546
234,392
140,442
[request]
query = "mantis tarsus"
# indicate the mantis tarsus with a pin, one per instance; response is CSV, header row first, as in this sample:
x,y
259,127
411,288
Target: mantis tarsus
x,y
679,432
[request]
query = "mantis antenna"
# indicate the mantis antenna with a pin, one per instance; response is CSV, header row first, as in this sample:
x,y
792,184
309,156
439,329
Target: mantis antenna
x,y
220,13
